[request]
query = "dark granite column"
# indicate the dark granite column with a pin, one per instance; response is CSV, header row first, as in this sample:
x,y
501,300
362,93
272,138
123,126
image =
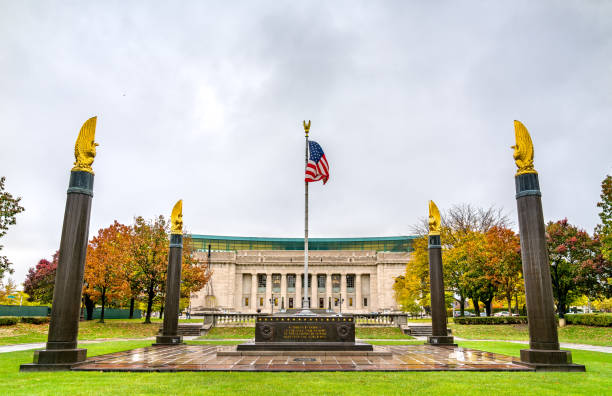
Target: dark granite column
x,y
543,352
61,351
439,333
173,292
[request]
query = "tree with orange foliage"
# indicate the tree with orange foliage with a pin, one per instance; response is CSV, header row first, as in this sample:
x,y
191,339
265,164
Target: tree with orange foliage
x,y
149,254
503,248
106,255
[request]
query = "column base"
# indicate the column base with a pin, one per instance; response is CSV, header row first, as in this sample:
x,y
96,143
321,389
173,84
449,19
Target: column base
x,y
168,340
55,359
441,341
548,360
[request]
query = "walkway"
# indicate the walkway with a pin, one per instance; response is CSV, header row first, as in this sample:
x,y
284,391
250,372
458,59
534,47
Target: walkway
x,y
224,358
564,345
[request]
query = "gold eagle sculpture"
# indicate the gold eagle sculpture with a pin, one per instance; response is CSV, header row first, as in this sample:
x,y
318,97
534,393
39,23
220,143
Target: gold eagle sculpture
x,y
85,147
434,219
307,127
523,149
176,218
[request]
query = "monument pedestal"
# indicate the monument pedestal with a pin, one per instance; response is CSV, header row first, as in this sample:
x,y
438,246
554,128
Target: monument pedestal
x,y
549,360
55,359
168,340
305,333
441,340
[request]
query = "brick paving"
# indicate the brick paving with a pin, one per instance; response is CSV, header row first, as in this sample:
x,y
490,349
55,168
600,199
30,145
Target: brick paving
x,y
387,358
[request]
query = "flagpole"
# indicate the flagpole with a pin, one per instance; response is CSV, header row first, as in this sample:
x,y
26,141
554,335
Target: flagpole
x,y
305,305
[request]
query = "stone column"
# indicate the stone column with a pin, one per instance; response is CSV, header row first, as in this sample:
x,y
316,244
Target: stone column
x,y
380,292
267,302
283,296
254,302
61,351
439,334
297,303
358,302
543,352
314,300
343,294
173,293
328,291
233,297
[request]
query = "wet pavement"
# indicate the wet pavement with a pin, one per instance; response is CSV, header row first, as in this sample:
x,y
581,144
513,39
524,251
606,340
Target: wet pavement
x,y
387,358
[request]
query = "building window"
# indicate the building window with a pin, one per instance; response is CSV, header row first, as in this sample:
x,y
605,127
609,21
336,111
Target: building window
x,y
336,283
321,281
291,301
246,301
276,283
291,282
321,302
261,302
350,302
365,301
261,283
350,283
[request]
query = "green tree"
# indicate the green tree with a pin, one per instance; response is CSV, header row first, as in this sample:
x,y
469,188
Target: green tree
x,y
9,209
603,231
577,266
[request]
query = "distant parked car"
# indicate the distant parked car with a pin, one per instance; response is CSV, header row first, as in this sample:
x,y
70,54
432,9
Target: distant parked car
x,y
483,314
502,313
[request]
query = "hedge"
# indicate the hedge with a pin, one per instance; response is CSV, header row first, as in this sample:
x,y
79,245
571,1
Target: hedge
x,y
35,319
491,320
8,320
601,320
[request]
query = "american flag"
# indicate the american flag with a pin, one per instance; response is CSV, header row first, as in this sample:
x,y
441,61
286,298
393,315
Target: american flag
x,y
317,168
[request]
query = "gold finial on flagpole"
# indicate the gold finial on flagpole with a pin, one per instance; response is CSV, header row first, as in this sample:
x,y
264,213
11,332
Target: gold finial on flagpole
x,y
307,127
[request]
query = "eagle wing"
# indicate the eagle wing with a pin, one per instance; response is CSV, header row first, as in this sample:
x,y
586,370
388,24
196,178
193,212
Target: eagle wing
x,y
434,219
524,149
85,146
175,218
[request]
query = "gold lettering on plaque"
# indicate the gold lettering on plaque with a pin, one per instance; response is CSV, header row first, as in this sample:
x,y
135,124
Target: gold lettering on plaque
x,y
305,331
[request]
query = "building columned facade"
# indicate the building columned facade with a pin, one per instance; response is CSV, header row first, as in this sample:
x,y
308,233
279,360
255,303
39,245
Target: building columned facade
x,y
265,274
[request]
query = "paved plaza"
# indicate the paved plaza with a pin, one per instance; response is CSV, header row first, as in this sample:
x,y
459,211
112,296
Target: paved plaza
x,y
226,358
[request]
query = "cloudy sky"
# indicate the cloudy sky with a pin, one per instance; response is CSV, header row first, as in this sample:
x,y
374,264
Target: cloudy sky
x,y
204,101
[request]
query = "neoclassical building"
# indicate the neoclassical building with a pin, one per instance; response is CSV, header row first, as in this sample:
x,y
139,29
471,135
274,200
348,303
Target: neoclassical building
x,y
251,274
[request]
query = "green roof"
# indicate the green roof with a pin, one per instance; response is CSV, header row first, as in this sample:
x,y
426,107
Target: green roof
x,y
233,243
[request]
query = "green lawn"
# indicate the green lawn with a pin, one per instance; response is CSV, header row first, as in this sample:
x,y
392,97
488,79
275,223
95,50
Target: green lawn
x,y
380,332
88,330
572,333
229,332
596,381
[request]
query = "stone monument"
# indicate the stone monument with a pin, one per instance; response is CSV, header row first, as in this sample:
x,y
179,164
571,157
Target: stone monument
x,y
169,334
439,332
543,353
61,350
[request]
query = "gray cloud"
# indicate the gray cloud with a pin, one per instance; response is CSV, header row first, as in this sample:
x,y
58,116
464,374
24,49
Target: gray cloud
x,y
204,102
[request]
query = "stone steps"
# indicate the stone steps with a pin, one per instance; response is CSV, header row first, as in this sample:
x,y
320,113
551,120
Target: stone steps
x,y
187,329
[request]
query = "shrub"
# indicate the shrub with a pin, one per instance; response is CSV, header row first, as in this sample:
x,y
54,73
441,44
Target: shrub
x,y
601,320
35,319
8,320
491,320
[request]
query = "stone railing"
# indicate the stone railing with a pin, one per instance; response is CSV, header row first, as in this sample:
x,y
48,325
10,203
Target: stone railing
x,y
216,319
382,320
230,319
